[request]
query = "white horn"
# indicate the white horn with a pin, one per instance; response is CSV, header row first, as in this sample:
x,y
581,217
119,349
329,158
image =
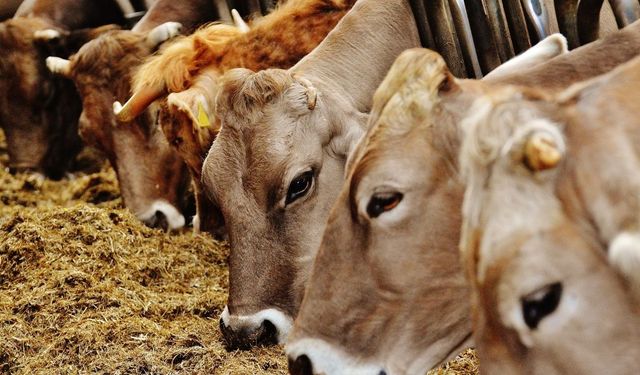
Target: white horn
x,y
240,24
163,33
47,34
125,6
58,65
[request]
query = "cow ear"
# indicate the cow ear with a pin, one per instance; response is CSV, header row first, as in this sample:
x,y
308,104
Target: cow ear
x,y
548,48
162,33
198,101
418,76
195,106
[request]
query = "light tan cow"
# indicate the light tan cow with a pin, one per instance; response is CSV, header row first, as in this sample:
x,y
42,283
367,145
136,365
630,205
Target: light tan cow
x,y
278,162
386,292
551,223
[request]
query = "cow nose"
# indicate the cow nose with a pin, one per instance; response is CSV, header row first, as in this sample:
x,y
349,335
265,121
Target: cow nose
x,y
266,334
158,220
301,366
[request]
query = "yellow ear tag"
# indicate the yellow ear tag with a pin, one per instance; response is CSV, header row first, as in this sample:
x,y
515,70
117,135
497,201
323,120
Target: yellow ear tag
x,y
203,119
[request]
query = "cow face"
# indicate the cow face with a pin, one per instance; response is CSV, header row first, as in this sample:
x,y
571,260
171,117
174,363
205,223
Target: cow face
x,y
272,170
153,180
542,285
38,111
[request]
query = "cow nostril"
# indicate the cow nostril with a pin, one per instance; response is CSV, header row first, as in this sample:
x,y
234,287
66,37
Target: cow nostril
x,y
301,366
158,220
382,372
245,337
268,335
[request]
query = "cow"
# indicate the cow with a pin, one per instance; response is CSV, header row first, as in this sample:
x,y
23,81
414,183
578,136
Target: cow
x,y
39,112
189,69
389,256
153,180
276,165
551,220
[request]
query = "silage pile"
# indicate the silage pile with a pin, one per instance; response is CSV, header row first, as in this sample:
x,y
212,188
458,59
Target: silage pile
x,y
85,288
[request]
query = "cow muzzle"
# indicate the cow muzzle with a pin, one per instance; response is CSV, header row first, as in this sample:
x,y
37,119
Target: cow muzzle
x,y
264,328
162,215
310,356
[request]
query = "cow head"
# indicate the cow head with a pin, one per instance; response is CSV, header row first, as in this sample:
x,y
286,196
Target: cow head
x,y
38,111
272,170
186,115
545,298
277,164
387,292
153,180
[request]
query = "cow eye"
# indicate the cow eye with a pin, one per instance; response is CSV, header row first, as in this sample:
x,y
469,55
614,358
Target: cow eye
x,y
539,304
299,187
177,141
382,202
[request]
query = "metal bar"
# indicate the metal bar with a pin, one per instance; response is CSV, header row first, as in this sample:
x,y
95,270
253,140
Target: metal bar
x,y
517,22
445,35
589,20
626,11
224,13
422,23
254,7
465,37
538,14
499,29
482,36
567,13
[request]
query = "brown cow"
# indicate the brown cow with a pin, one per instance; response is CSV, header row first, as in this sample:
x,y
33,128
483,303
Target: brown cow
x,y
276,166
39,112
393,232
277,40
153,180
552,186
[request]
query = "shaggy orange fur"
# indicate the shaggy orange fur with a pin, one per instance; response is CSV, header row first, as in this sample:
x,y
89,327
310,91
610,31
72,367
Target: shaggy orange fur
x,y
273,41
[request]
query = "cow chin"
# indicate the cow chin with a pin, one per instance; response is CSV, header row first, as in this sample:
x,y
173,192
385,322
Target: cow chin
x,y
162,214
311,356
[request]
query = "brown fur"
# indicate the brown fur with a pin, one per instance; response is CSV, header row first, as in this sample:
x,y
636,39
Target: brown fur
x,y
148,168
273,41
38,111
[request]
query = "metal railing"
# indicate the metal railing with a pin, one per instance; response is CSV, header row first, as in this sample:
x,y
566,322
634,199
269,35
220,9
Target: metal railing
x,y
475,36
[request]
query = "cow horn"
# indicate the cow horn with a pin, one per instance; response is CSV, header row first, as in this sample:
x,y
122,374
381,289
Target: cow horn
x,y
162,33
125,6
46,34
137,103
541,152
240,24
58,65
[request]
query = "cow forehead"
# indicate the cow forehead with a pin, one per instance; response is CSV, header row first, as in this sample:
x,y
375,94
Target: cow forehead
x,y
241,165
110,53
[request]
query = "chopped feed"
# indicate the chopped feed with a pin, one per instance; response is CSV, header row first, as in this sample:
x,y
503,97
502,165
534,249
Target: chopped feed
x,y
86,288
